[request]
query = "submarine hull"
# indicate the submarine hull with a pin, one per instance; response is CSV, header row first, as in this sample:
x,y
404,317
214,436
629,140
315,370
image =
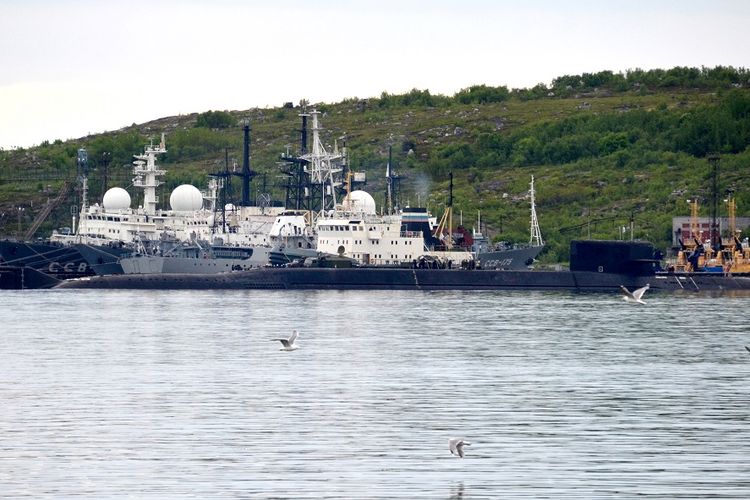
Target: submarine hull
x,y
413,279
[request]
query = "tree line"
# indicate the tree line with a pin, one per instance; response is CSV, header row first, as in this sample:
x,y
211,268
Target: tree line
x,y
639,80
720,128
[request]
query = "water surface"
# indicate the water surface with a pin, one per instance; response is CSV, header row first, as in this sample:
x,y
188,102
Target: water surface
x,y
175,394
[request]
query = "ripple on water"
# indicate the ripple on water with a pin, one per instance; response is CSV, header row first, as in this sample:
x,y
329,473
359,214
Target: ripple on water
x,y
156,394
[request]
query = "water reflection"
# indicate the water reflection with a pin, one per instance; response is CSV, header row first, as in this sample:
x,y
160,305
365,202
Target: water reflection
x,y
457,491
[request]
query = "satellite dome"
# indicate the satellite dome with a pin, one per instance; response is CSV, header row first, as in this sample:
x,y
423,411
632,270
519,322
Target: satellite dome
x,y
186,198
116,198
361,201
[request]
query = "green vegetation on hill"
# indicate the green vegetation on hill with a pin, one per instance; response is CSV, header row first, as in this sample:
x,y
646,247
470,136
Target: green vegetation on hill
x,y
604,148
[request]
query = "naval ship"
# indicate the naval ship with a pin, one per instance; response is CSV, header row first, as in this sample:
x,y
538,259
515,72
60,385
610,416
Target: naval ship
x,y
595,266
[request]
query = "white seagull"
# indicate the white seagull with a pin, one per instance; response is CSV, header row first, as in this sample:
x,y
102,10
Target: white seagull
x,y
456,445
634,296
288,344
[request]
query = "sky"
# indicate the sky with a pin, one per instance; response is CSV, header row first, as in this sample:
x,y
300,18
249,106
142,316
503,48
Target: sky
x,y
69,68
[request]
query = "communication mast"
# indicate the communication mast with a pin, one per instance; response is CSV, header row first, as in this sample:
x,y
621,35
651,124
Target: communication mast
x,y
146,174
536,233
322,168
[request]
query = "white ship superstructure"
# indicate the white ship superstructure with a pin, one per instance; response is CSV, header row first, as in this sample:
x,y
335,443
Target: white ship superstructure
x,y
192,215
355,230
292,229
114,221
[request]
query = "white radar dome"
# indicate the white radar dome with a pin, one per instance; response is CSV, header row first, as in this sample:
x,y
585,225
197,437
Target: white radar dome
x,y
361,201
116,198
186,198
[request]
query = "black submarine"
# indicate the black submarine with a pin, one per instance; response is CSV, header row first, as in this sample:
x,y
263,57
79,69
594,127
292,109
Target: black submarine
x,y
595,266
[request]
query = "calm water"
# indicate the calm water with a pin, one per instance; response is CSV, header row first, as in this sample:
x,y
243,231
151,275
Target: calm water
x,y
182,394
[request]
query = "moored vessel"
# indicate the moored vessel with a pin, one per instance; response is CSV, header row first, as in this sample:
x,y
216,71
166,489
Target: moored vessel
x,y
510,256
596,266
196,259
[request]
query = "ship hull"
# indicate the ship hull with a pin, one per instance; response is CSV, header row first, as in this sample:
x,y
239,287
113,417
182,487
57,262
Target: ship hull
x,y
512,259
414,279
62,261
23,278
57,261
103,259
146,264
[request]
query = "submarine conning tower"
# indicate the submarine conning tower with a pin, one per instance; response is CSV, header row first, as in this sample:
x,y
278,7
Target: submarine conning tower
x,y
634,258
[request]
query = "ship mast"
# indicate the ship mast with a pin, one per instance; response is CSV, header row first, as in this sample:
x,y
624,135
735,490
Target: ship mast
x,y
732,213
322,167
389,187
247,173
146,174
348,198
536,234
694,221
83,165
450,213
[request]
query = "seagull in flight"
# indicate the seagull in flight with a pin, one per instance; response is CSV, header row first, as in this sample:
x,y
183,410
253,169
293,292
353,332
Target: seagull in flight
x,y
288,344
748,348
456,445
634,296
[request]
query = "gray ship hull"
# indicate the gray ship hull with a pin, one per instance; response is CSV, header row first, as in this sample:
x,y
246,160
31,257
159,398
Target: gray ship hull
x,y
156,264
512,259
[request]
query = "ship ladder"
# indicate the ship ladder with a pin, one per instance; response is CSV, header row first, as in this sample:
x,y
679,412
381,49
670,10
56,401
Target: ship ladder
x,y
694,283
677,279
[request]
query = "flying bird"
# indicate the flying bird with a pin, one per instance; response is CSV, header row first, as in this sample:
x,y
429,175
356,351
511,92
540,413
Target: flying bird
x,y
288,344
634,296
748,348
456,445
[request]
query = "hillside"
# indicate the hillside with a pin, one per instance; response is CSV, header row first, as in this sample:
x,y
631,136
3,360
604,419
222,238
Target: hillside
x,y
603,148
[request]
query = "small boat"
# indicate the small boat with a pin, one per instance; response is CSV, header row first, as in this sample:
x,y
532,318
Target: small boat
x,y
506,256
724,255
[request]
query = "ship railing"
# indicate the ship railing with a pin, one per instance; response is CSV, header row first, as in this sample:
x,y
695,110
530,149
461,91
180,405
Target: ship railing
x,y
411,234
